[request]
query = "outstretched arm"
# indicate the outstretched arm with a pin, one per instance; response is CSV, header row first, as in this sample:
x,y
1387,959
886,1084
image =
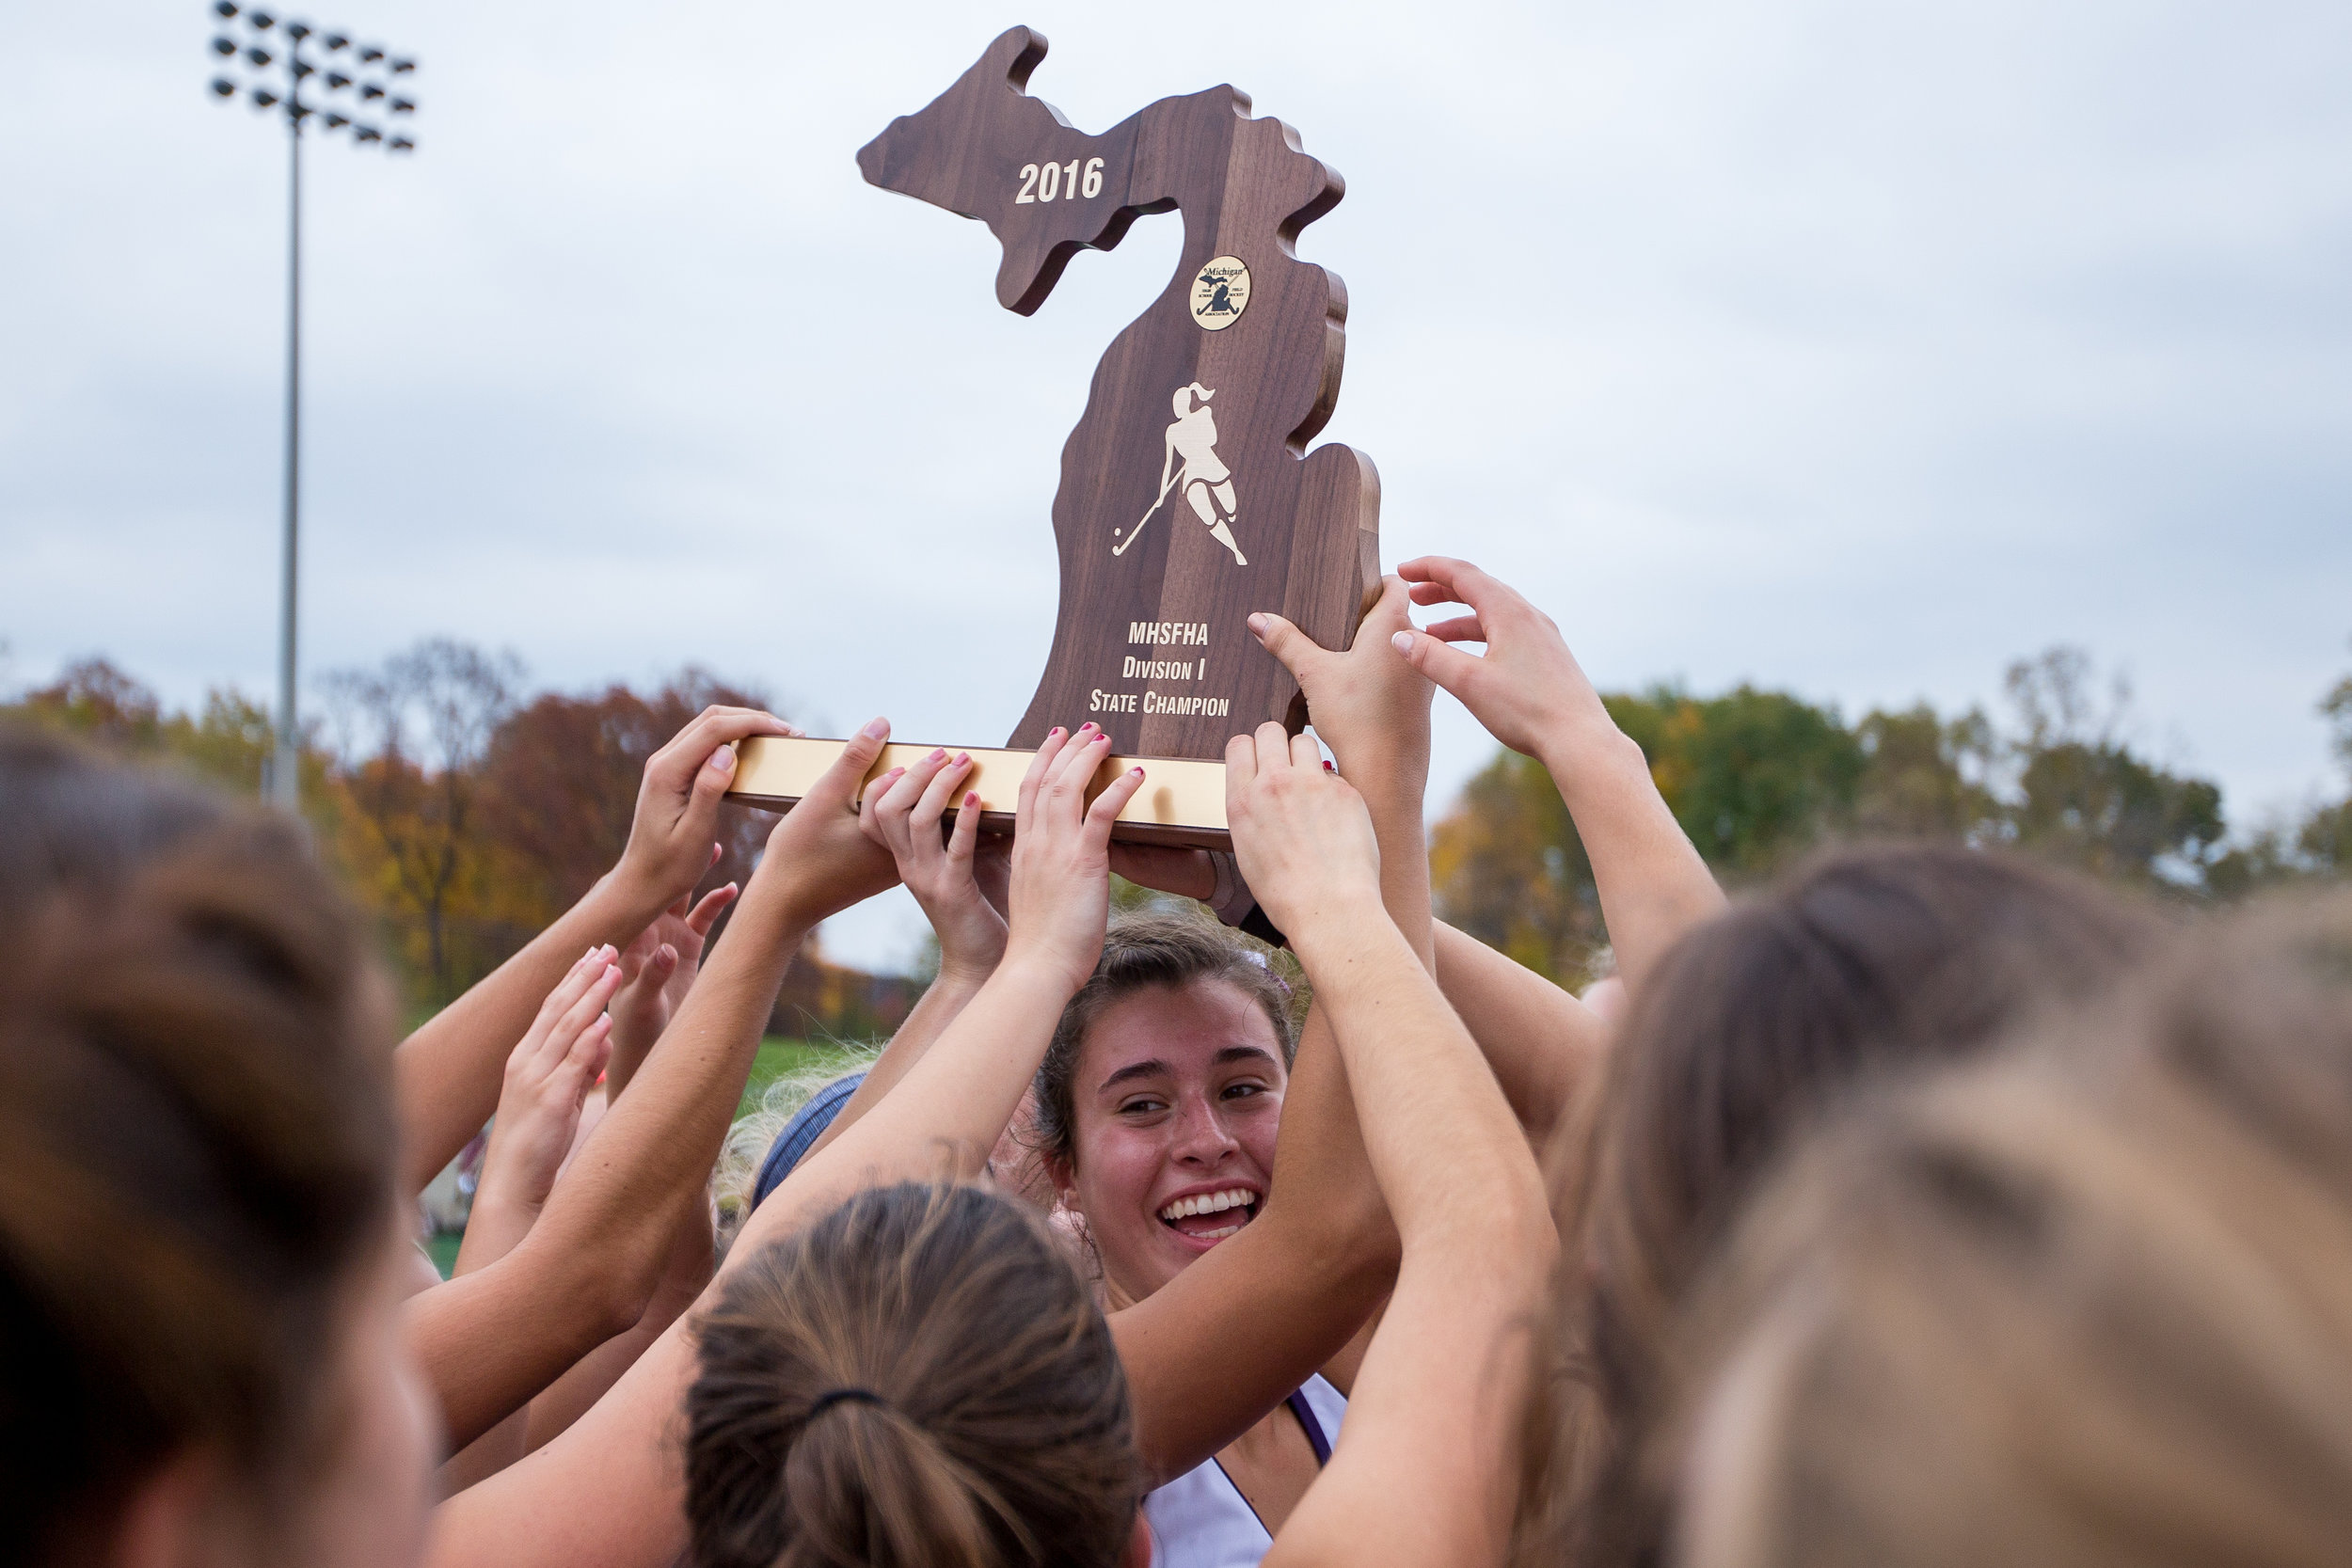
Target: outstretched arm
x,y
1424,1468
446,1074
590,1265
608,1490
1539,1040
1530,694
547,1077
658,970
903,812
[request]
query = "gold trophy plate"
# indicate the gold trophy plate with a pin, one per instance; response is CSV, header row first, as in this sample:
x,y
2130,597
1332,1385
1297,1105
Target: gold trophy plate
x,y
1181,803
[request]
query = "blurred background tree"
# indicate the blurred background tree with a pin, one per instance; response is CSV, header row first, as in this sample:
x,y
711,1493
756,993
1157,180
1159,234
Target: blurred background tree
x,y
1759,779
468,811
465,813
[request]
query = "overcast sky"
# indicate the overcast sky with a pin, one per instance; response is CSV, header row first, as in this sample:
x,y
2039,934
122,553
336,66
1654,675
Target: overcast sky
x,y
1845,348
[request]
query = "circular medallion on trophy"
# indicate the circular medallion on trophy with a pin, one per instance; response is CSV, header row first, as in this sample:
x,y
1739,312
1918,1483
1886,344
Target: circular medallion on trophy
x,y
1220,293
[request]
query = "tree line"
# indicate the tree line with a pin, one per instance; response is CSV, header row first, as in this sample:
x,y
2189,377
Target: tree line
x,y
1760,778
465,811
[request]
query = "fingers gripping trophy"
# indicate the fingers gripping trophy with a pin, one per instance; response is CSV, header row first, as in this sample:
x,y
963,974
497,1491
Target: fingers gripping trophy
x,y
1184,505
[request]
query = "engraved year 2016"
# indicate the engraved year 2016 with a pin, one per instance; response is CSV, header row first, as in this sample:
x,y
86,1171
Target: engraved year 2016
x,y
1046,181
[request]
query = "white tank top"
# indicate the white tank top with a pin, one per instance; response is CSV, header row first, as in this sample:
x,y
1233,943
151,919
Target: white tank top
x,y
1201,1519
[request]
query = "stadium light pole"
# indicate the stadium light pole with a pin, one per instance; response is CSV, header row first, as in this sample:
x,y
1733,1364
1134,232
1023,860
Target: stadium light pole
x,y
362,79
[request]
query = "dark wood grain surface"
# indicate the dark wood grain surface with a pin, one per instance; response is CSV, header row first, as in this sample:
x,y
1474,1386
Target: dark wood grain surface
x,y
1187,462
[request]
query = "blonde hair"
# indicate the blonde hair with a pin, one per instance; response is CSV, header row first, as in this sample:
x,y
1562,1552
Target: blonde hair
x,y
735,1181
2088,1302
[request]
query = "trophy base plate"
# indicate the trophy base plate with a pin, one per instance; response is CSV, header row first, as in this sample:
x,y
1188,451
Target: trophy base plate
x,y
1181,803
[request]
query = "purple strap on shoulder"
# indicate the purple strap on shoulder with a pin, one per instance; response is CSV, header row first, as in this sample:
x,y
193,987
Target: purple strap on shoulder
x,y
1306,1414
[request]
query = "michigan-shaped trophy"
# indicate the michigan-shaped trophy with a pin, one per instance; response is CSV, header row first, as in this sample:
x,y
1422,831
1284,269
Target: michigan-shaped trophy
x,y
1187,497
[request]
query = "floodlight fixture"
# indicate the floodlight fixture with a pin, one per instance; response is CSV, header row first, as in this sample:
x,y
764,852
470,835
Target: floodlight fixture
x,y
287,92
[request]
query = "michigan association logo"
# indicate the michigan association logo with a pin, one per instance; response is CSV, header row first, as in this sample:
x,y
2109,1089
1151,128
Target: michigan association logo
x,y
1220,293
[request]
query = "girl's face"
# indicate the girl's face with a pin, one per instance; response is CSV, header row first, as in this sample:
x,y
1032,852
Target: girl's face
x,y
1175,1103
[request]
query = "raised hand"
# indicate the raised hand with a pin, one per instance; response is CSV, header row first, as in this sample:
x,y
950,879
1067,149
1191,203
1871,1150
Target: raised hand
x,y
672,838
1530,694
820,850
1061,889
1301,833
1369,704
1528,690
548,1076
901,811
657,969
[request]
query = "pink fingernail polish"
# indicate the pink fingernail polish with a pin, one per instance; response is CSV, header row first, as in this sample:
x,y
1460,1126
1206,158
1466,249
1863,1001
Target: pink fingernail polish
x,y
876,728
971,798
963,757
937,753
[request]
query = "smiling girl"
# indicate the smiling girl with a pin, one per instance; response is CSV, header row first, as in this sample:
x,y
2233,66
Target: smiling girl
x,y
1157,1107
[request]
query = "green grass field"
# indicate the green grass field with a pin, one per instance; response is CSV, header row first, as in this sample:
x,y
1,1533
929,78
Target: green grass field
x,y
777,1057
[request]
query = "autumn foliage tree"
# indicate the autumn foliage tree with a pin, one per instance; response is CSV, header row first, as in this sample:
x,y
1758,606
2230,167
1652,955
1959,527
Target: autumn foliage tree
x,y
561,780
1760,778
413,737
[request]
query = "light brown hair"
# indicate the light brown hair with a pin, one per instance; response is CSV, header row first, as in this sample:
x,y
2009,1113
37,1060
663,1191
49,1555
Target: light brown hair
x,y
919,1380
2089,1302
1862,964
1140,953
195,1138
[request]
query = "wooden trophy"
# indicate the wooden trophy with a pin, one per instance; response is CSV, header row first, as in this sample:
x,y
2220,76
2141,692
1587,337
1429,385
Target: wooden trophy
x,y
1185,503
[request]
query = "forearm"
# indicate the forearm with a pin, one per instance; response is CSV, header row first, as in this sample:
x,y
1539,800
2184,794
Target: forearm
x,y
940,1005
489,1341
1395,801
494,1228
487,1455
945,1115
446,1076
1653,884
1539,1040
1419,1082
684,1275
656,1144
